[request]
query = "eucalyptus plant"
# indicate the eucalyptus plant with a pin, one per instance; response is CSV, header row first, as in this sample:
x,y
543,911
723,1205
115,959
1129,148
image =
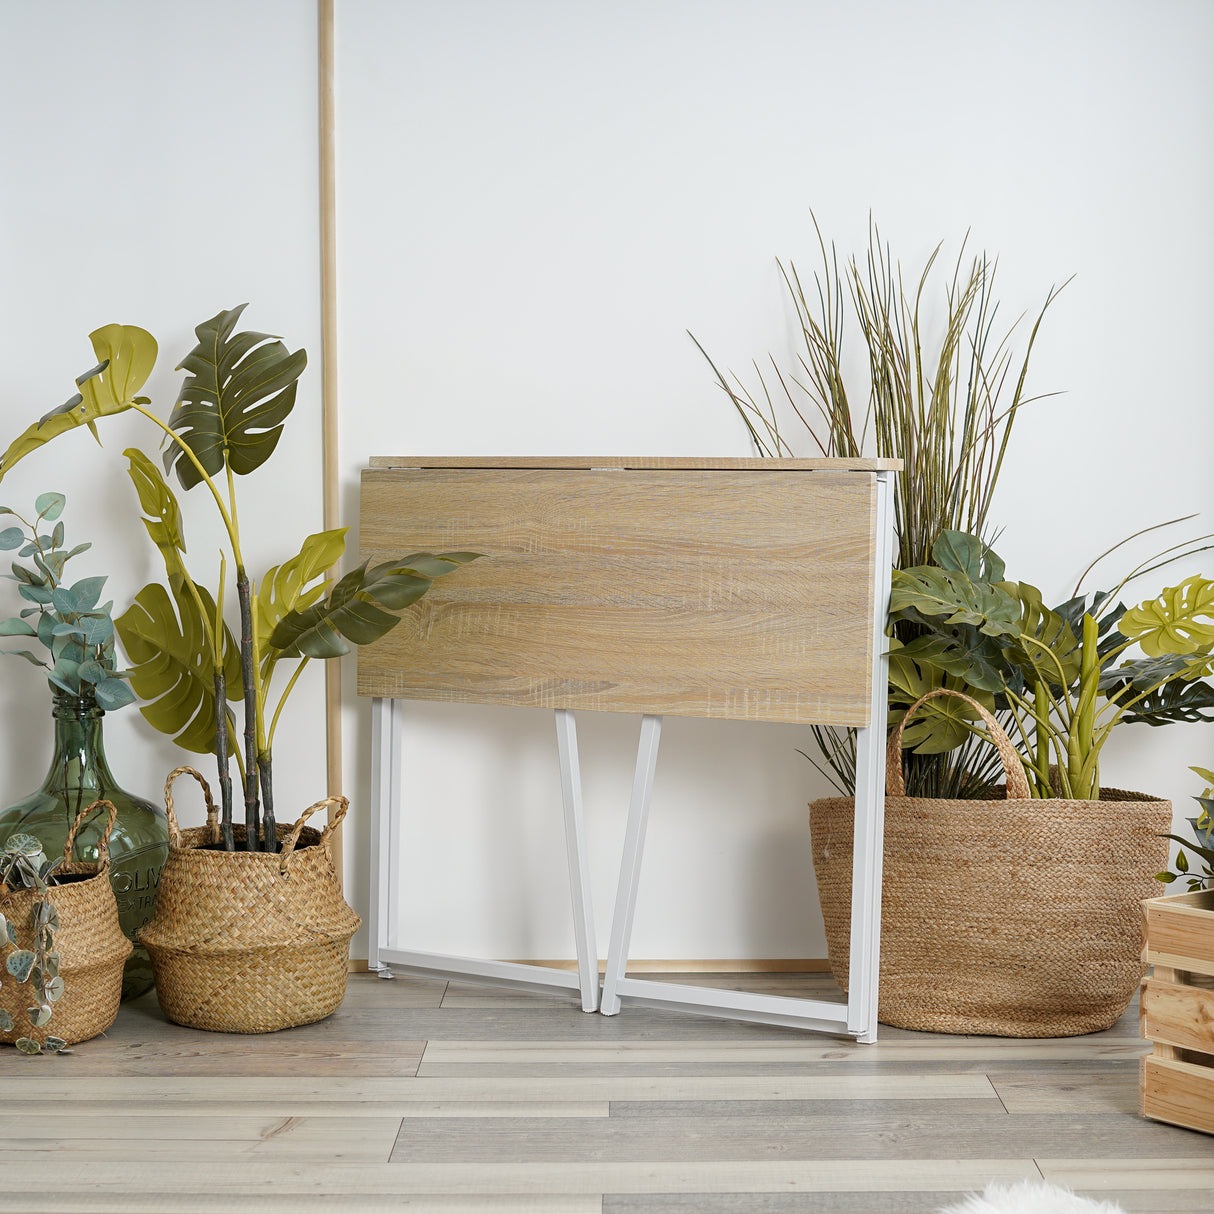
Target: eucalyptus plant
x,y
239,389
76,632
1065,675
24,865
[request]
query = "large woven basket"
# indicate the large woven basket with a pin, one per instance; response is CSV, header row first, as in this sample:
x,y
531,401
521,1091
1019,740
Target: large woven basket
x,y
249,942
1012,917
92,949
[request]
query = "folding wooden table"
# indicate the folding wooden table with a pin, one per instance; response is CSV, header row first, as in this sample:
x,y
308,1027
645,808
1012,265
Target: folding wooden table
x,y
744,589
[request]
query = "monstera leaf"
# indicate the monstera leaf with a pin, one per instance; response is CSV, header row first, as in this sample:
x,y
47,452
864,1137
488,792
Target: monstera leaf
x,y
1047,647
959,552
942,723
942,595
126,355
354,611
238,393
163,519
1180,620
165,637
286,587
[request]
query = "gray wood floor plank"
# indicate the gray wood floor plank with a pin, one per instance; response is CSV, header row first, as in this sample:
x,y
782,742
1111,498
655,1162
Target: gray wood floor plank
x,y
899,1134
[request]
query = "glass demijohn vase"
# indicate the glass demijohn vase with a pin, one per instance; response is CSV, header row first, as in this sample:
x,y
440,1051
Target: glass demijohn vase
x,y
79,774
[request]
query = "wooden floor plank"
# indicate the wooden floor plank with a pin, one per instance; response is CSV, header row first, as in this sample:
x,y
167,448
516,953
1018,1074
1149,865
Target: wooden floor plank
x,y
251,1179
900,1134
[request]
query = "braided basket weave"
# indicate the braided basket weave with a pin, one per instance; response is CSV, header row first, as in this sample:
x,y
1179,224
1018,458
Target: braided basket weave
x,y
92,949
249,942
1012,917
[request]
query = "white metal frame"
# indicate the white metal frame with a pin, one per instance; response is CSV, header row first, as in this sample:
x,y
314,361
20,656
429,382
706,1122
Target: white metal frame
x,y
858,1018
385,956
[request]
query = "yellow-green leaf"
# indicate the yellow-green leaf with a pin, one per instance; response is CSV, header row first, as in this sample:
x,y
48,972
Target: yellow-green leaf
x,y
126,355
285,587
1179,621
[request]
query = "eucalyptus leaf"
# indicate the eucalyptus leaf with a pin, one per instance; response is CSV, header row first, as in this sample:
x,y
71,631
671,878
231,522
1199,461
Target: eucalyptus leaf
x,y
50,506
112,694
11,537
87,591
16,628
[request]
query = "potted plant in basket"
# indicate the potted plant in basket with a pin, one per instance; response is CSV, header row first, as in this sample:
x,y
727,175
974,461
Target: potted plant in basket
x,y
973,658
257,898
74,638
1027,929
62,944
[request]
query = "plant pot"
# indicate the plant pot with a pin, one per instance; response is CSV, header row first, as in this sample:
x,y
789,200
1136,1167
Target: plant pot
x,y
1177,1010
89,940
1010,916
249,942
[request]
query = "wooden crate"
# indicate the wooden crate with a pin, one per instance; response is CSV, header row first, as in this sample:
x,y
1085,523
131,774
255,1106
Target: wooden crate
x,y
1177,1010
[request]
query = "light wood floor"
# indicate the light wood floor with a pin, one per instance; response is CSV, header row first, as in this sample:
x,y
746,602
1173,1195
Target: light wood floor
x,y
420,1094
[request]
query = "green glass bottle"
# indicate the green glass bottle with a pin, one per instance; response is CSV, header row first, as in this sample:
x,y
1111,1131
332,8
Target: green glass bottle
x,y
79,774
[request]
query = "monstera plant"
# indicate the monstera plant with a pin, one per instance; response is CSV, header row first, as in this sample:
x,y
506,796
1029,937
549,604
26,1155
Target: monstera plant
x,y
189,670
1066,676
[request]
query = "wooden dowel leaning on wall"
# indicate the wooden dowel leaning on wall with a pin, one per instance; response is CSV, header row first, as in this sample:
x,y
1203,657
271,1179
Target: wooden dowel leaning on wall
x,y
328,342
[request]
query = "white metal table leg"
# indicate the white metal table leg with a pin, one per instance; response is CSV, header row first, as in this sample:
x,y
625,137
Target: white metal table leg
x,y
864,959
385,830
579,864
630,864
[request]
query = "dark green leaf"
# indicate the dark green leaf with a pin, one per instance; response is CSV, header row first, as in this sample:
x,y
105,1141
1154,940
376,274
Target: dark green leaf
x,y
232,405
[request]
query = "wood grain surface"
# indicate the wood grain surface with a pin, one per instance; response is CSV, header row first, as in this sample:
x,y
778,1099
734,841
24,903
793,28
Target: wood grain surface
x,y
741,594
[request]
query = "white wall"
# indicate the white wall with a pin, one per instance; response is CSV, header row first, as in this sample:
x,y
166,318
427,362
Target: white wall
x,y
536,199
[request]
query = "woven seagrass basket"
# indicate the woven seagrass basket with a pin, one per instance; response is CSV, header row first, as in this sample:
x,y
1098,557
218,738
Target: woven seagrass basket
x,y
1011,916
91,946
249,942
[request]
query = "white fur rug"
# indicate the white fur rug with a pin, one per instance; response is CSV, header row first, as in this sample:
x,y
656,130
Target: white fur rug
x,y
1030,1197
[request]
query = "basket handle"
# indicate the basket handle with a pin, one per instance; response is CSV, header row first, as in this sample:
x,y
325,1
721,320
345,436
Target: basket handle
x,y
212,812
326,835
1017,783
103,848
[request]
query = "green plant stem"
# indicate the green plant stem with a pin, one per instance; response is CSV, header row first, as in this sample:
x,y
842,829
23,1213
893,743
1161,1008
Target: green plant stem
x,y
283,699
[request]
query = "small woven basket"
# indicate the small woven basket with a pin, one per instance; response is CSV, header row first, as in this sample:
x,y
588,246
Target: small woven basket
x,y
92,949
249,942
1011,916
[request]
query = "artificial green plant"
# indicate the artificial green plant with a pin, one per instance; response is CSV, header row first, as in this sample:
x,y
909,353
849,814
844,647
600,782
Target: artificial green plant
x,y
188,667
1203,832
76,632
1066,676
943,393
24,865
